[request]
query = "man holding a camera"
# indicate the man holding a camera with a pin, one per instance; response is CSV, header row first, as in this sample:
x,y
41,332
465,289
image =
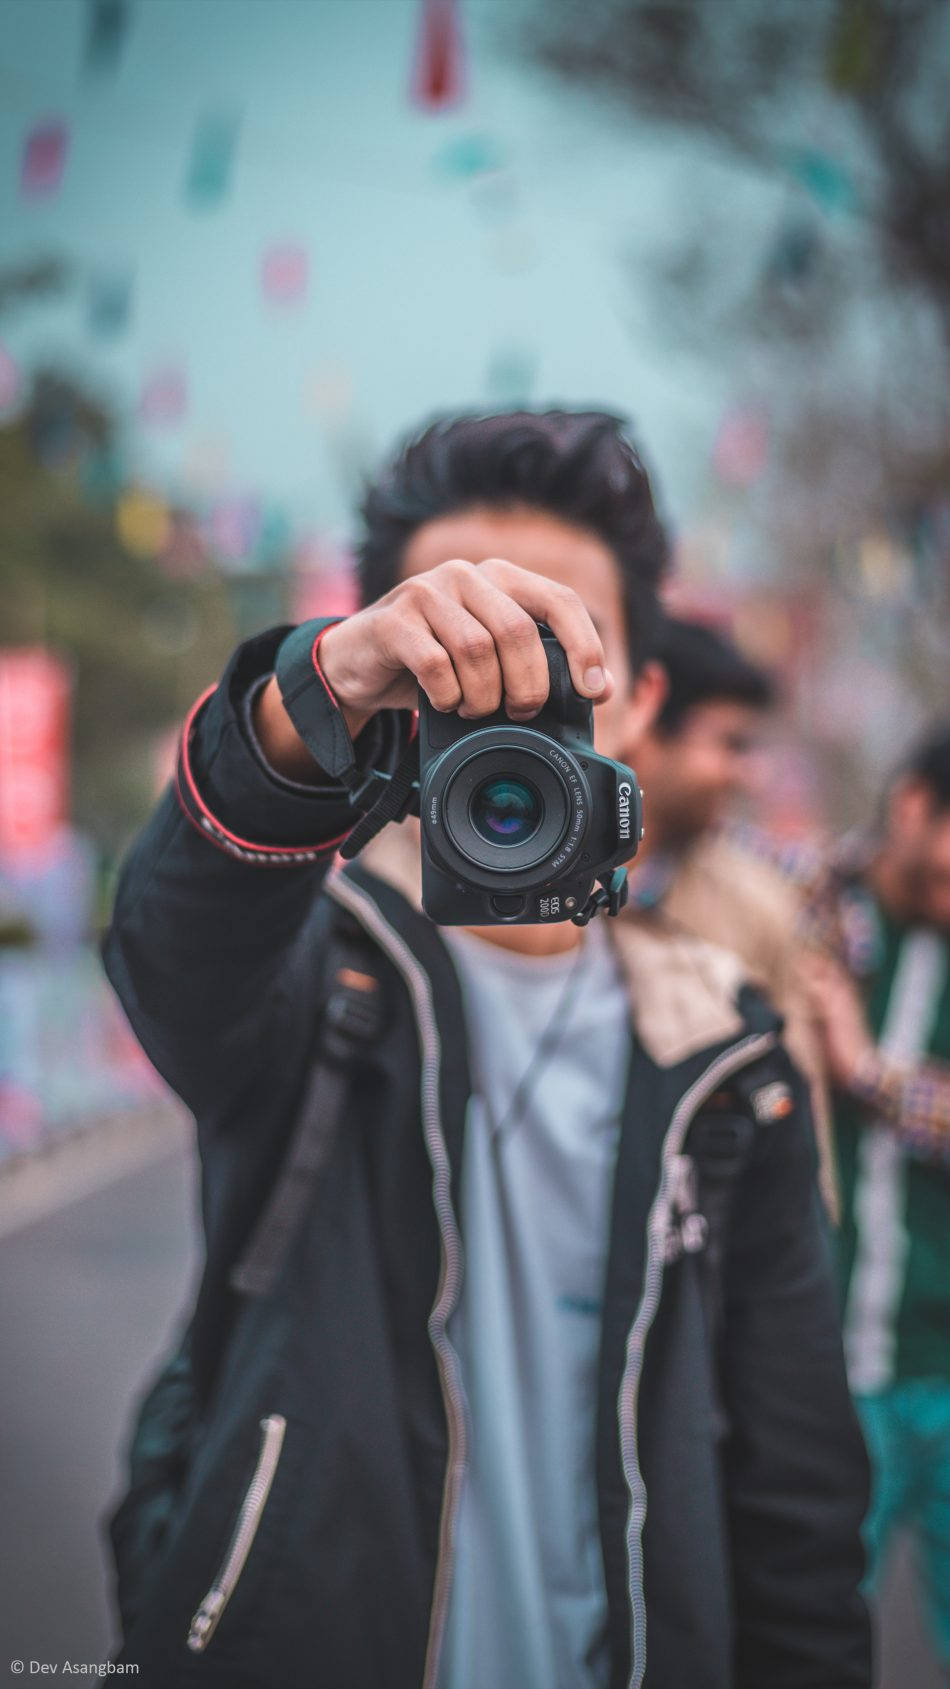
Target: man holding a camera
x,y
515,1362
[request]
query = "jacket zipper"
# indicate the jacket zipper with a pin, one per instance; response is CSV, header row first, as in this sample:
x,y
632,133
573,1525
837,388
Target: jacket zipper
x,y
728,1063
206,1619
450,1270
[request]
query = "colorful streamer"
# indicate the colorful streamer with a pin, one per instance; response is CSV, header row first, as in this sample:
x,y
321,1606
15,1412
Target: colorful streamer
x,y
512,371
108,21
439,73
211,164
469,156
285,273
233,529
44,159
165,396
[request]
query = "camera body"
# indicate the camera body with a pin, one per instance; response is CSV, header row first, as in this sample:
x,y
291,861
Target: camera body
x,y
519,822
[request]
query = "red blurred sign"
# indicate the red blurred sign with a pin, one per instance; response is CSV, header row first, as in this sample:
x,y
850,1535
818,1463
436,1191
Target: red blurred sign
x,y
34,750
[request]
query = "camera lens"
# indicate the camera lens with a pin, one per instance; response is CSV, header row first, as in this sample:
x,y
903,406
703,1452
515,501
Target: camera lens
x,y
506,810
507,802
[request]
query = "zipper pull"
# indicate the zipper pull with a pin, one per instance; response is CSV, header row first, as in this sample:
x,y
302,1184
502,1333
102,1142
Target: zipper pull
x,y
204,1622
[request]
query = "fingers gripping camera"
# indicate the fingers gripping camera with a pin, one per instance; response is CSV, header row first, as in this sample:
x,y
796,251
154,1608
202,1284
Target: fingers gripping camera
x,y
523,824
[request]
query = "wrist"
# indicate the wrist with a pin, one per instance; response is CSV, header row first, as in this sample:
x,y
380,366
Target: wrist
x,y
279,740
870,1077
333,668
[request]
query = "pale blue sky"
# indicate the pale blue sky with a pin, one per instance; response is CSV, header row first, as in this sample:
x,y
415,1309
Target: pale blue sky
x,y
416,284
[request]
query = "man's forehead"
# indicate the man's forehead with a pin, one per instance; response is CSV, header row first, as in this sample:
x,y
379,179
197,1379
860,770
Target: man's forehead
x,y
533,539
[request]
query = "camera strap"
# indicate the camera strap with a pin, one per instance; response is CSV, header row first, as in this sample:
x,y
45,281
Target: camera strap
x,y
399,793
315,713
350,1025
610,894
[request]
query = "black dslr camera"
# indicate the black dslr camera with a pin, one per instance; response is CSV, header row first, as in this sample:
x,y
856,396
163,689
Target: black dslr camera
x,y
523,824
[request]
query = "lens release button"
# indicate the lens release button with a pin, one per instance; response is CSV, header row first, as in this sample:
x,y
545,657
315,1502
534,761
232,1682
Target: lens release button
x,y
508,904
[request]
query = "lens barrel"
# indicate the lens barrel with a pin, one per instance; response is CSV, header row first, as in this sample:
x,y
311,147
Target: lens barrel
x,y
511,803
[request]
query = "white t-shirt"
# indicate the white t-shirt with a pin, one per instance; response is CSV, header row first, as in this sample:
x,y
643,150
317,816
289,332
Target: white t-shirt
x,y
528,1607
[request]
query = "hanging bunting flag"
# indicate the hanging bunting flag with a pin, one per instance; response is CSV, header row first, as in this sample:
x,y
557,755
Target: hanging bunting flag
x,y
11,382
108,20
741,447
511,375
233,528
468,156
439,74
109,303
164,396
44,159
143,523
212,160
284,274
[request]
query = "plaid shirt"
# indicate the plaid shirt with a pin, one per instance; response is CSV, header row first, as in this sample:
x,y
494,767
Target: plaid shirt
x,y
839,916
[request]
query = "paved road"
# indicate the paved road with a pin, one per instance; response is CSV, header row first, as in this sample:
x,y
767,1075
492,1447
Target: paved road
x,y
88,1292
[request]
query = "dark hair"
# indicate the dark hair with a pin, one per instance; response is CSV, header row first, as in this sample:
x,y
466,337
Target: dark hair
x,y
703,665
576,465
930,764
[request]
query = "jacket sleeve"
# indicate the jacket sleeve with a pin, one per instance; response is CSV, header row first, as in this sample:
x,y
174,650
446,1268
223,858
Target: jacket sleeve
x,y
796,1472
215,894
912,1097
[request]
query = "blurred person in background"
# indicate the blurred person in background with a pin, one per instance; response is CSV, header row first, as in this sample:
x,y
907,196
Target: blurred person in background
x,y
880,911
696,762
499,1419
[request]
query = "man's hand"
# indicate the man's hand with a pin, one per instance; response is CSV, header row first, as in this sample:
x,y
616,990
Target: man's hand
x,y
466,634
839,1016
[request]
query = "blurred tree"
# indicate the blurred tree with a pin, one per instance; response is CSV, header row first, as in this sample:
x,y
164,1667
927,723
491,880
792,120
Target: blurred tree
x,y
745,75
803,273
825,310
142,643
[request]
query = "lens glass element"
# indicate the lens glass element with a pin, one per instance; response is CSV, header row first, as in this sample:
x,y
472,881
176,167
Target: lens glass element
x,y
506,810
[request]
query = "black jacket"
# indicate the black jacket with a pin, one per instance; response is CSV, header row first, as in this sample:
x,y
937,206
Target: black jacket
x,y
313,1438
